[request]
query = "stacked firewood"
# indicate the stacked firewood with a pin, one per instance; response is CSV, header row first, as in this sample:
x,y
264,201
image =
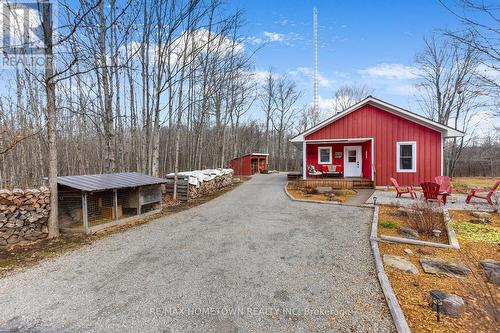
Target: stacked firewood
x,y
210,186
23,215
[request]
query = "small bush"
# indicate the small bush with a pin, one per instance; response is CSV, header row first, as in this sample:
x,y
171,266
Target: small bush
x,y
424,219
389,224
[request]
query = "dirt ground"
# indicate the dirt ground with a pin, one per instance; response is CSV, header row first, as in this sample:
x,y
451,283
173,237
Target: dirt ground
x,y
26,255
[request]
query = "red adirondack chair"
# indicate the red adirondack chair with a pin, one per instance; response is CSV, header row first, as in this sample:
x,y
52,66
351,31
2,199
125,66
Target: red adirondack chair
x,y
488,197
444,183
431,192
403,190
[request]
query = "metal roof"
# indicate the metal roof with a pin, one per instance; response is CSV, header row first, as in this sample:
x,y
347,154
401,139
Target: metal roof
x,y
109,181
251,154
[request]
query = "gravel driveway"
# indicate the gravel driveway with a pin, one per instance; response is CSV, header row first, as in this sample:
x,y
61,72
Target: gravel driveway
x,y
248,261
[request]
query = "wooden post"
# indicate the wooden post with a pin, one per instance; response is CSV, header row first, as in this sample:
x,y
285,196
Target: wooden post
x,y
85,213
139,201
115,204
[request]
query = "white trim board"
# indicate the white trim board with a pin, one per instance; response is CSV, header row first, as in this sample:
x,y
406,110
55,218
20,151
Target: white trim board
x,y
319,154
413,156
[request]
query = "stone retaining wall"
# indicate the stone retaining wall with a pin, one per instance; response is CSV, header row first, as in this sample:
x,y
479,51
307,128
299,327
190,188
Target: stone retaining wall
x,y
23,215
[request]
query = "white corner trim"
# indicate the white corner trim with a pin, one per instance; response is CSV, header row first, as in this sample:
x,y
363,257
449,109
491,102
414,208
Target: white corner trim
x,y
319,155
304,160
442,155
414,156
373,158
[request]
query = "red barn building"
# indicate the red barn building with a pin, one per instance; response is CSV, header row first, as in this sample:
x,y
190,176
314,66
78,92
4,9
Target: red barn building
x,y
249,164
376,140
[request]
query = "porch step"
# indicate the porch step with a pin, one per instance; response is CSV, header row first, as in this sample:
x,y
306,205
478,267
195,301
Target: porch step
x,y
337,183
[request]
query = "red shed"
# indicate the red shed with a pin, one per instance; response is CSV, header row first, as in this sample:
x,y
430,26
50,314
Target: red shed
x,y
375,140
249,164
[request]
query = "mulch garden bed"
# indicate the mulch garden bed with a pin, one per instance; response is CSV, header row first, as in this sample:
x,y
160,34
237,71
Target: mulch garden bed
x,y
413,290
390,220
481,297
311,194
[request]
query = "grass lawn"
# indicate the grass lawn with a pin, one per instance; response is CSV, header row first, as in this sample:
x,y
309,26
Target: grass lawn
x,y
462,184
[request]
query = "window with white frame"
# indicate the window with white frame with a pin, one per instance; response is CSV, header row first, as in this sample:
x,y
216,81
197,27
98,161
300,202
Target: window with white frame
x,y
324,155
406,156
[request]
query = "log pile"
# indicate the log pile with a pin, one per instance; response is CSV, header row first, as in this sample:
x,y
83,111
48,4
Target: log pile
x,y
23,215
194,184
210,186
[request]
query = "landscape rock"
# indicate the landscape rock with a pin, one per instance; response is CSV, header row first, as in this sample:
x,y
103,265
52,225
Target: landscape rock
x,y
491,270
401,211
481,215
479,221
408,232
408,251
323,189
453,305
400,263
448,268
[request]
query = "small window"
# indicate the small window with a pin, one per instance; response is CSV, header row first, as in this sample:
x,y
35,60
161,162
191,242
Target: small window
x,y
351,156
325,155
406,156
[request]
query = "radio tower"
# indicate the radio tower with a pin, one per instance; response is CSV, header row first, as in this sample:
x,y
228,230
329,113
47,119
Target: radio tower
x,y
315,69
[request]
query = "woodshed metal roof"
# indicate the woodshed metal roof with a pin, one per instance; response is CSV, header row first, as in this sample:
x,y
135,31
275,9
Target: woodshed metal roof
x,y
102,182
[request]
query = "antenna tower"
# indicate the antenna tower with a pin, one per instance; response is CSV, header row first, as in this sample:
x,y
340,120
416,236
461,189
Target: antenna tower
x,y
315,69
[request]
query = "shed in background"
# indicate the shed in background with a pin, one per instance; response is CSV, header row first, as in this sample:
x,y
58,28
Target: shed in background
x,y
92,202
250,164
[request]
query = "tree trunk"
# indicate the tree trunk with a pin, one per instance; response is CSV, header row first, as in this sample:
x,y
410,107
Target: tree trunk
x,y
50,90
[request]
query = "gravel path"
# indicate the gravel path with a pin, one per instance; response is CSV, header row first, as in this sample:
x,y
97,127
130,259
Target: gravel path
x,y
248,261
455,203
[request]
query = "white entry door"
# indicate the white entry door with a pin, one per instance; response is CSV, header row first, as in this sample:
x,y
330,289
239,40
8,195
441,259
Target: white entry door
x,y
352,161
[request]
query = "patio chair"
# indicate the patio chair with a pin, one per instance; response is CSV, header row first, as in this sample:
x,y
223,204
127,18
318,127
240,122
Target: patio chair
x,y
444,184
313,172
431,192
488,197
403,190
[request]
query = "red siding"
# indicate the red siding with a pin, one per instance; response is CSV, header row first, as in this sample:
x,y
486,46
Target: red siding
x,y
242,166
387,129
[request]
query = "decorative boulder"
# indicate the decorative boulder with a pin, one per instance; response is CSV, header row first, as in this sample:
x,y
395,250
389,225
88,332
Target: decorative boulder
x,y
323,189
452,305
491,270
481,215
408,252
400,263
438,266
408,232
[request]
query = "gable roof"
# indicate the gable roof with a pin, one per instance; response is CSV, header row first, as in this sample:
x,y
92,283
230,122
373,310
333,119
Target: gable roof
x,y
448,132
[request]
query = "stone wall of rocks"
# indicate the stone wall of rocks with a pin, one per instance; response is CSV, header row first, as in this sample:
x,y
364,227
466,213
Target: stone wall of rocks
x,y
23,215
